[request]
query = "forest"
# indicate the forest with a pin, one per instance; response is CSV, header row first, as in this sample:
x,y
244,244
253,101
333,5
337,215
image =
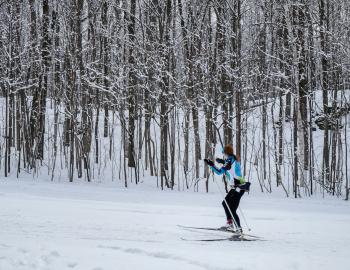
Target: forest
x,y
144,90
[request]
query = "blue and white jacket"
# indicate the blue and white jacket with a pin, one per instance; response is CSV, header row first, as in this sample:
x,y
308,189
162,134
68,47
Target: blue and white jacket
x,y
232,170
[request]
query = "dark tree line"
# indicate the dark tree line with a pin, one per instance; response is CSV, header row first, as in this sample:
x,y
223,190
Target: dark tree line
x,y
127,88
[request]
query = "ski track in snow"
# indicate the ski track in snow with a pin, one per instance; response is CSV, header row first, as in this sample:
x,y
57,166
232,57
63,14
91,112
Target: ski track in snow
x,y
163,255
48,226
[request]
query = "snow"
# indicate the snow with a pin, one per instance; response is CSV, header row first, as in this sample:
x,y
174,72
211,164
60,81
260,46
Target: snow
x,y
57,226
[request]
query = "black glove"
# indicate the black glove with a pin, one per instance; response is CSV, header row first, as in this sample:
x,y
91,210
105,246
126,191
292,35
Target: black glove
x,y
209,162
220,160
245,186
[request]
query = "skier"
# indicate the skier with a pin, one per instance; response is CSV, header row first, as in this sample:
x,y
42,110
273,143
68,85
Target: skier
x,y
231,168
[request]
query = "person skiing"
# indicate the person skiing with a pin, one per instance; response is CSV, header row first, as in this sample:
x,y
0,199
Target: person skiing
x,y
231,168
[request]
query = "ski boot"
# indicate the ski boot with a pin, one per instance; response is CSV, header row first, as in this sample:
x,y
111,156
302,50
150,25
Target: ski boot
x,y
238,231
228,227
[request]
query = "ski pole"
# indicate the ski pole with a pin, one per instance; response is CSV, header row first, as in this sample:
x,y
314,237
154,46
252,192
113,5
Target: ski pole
x,y
245,221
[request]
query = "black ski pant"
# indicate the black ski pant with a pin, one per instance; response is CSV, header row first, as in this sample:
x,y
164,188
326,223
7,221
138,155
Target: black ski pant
x,y
232,198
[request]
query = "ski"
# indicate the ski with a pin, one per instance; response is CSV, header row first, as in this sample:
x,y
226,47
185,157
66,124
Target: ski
x,y
218,230
237,238
206,240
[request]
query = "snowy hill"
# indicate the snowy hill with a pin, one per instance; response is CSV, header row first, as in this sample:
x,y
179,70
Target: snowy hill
x,y
60,226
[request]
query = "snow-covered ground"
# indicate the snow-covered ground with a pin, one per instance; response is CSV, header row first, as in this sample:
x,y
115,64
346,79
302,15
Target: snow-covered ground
x,y
59,226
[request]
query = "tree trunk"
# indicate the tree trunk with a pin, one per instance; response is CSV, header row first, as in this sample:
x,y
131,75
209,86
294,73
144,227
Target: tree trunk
x,y
323,16
131,85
